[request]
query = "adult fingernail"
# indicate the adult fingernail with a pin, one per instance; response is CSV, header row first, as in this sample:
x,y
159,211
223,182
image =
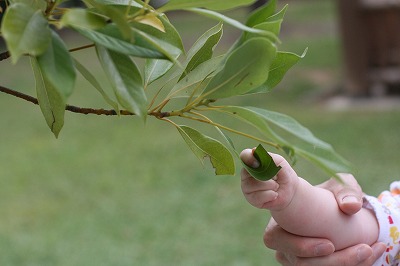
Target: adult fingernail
x,y
350,199
324,249
378,249
363,253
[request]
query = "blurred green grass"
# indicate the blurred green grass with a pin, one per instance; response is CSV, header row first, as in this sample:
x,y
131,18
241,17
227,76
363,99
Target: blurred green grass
x,y
112,191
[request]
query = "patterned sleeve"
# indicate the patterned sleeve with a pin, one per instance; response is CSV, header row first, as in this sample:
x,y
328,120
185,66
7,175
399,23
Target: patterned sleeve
x,y
387,210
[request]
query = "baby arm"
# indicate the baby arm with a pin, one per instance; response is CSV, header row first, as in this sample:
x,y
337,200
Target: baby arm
x,y
305,210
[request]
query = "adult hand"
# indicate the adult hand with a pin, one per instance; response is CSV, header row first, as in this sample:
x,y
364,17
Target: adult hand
x,y
296,250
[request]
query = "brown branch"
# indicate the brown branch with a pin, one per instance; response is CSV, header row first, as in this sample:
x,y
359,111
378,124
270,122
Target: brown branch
x,y
4,55
71,108
19,95
86,111
81,47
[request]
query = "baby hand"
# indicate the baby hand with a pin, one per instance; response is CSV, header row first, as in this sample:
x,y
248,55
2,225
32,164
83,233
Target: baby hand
x,y
273,194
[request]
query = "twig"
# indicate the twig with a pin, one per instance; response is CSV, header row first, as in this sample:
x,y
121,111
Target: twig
x,y
70,108
208,121
4,55
81,47
19,95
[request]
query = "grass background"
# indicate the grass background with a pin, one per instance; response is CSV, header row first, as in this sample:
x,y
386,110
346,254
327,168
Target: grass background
x,y
112,191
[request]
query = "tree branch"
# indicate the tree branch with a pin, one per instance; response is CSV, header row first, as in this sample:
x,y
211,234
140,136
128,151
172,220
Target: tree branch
x,y
19,95
4,55
70,108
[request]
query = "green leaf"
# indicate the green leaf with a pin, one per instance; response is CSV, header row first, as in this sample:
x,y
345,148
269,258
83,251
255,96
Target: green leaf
x,y
261,14
232,22
228,140
25,31
326,159
267,168
111,38
120,3
116,15
302,141
186,86
152,20
282,121
170,35
245,69
169,42
92,80
266,21
55,79
272,26
279,67
118,18
126,80
204,146
291,153
42,5
82,18
51,102
155,69
142,44
278,16
57,66
203,48
169,51
209,4
123,6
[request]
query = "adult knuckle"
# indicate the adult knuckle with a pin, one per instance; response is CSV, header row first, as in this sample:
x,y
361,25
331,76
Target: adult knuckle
x,y
280,257
303,249
300,262
348,261
368,262
269,240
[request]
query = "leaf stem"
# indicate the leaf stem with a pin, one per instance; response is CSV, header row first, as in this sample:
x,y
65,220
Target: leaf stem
x,y
50,6
160,106
231,130
169,121
154,99
81,47
196,89
201,115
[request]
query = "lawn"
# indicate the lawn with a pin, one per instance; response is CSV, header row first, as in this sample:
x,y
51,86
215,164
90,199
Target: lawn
x,y
113,191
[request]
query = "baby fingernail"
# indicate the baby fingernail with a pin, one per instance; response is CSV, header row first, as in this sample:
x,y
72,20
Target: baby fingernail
x,y
255,164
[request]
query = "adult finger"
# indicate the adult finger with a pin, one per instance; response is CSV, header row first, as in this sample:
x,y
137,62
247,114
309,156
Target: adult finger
x,y
278,239
348,194
359,255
